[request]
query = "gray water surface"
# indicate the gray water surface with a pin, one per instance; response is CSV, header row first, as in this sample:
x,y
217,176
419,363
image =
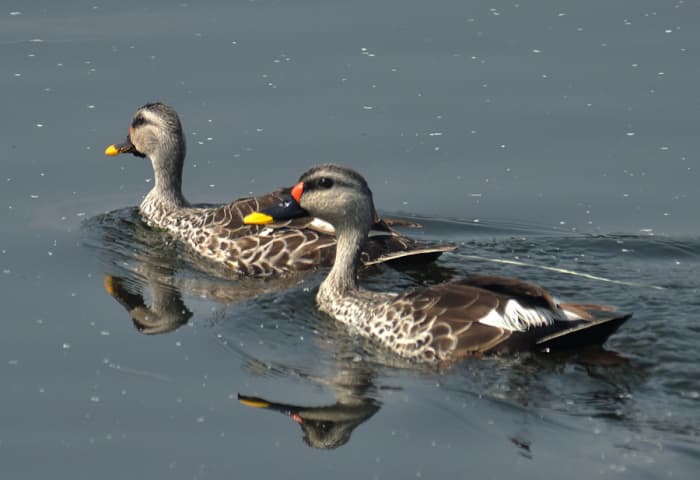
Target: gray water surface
x,y
553,141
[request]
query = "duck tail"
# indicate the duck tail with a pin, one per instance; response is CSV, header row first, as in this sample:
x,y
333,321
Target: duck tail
x,y
595,332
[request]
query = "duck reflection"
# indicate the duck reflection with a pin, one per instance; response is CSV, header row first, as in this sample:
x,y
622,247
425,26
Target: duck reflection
x,y
329,426
166,313
140,263
325,427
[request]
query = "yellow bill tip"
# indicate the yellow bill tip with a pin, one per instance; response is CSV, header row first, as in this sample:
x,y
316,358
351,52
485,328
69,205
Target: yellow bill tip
x,y
257,218
112,150
109,284
254,402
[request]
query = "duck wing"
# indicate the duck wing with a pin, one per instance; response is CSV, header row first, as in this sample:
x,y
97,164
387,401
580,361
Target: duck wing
x,y
302,237
491,314
230,217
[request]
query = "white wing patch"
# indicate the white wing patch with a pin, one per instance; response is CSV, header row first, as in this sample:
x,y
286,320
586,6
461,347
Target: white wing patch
x,y
322,226
518,318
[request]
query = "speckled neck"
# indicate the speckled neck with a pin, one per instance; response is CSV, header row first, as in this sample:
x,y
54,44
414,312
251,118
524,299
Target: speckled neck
x,y
166,195
342,278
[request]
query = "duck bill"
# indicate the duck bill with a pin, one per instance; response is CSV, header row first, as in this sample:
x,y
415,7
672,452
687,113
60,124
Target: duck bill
x,y
125,147
287,210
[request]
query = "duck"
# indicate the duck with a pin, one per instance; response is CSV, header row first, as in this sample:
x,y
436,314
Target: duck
x,y
219,233
473,316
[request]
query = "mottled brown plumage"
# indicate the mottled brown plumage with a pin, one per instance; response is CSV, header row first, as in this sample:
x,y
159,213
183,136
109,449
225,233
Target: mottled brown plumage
x,y
219,233
473,316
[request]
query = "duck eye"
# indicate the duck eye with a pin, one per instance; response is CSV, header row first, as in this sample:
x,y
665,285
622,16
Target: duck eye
x,y
138,121
325,182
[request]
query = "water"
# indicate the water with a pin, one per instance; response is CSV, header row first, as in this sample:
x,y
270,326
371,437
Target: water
x,y
561,145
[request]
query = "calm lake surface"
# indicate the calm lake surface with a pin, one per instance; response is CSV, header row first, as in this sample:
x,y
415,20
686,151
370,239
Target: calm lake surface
x,y
552,141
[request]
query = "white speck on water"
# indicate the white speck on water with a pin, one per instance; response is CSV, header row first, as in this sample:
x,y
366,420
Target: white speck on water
x,y
435,134
39,125
366,52
15,13
90,107
95,399
104,333
34,196
50,253
536,50
178,343
212,185
13,362
367,107
664,148
668,30
630,134
661,73
200,419
36,40
66,346
18,74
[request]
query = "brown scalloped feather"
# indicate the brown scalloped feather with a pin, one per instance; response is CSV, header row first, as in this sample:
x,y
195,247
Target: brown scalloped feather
x,y
301,244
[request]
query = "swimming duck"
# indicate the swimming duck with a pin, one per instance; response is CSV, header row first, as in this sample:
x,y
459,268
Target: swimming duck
x,y
442,323
219,233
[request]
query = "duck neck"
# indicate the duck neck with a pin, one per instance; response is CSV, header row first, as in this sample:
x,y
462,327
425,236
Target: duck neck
x,y
167,170
343,276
